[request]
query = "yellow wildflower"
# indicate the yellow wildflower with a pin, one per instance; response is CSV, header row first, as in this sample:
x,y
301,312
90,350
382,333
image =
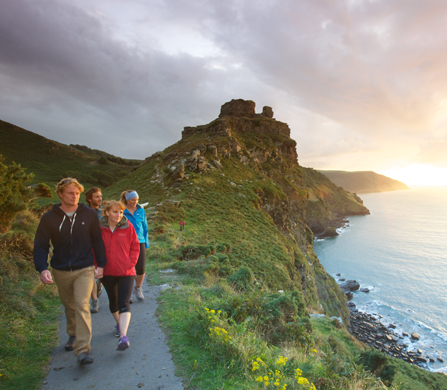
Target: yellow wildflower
x,y
302,381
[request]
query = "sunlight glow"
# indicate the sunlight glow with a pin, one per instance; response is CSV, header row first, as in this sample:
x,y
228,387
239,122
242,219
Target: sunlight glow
x,y
419,174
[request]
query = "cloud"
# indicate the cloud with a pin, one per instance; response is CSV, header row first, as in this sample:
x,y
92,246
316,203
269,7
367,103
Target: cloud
x,y
362,84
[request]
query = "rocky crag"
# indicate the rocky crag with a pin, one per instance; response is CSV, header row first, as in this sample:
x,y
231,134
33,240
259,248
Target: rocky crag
x,y
242,170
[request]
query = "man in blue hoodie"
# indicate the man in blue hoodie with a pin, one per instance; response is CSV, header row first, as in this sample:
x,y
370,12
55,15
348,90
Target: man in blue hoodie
x,y
73,230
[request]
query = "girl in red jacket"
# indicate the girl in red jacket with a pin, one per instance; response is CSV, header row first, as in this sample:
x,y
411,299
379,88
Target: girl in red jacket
x,y
122,250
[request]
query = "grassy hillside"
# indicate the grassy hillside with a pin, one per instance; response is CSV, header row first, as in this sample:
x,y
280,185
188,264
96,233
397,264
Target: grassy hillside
x,y
50,160
242,278
243,274
362,182
246,189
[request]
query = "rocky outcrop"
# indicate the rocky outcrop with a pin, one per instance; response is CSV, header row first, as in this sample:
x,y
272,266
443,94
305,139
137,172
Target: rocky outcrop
x,y
350,285
238,108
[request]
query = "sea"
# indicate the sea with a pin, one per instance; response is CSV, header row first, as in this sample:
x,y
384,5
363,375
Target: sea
x,y
399,252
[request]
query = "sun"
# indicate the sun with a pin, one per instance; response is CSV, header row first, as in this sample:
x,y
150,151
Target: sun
x,y
419,175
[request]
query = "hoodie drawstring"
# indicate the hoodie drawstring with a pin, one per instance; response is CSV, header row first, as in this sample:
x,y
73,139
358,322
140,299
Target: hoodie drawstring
x,y
74,218
60,227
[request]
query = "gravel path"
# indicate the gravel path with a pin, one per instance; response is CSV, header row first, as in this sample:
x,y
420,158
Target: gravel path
x,y
147,364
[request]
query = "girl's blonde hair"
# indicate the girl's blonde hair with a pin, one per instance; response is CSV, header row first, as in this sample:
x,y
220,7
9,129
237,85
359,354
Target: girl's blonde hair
x,y
123,196
110,204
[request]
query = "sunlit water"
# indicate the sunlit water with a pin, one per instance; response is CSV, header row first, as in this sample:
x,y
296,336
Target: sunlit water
x,y
400,251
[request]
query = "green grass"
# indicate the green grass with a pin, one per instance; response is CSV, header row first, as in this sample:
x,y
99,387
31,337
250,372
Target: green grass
x,y
29,314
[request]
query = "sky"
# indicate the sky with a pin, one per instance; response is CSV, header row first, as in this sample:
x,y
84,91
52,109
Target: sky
x,y
361,84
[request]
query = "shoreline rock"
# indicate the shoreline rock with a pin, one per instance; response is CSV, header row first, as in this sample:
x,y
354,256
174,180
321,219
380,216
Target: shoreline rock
x,y
368,329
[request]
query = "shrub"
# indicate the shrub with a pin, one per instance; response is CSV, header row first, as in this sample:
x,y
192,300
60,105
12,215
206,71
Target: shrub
x,y
198,267
103,160
285,319
158,230
243,279
20,238
14,196
223,247
103,178
190,252
42,190
373,360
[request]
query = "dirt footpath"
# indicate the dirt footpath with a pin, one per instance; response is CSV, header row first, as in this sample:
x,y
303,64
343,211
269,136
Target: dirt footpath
x,y
147,364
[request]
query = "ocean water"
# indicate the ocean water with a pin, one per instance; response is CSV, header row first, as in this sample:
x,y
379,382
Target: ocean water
x,y
400,252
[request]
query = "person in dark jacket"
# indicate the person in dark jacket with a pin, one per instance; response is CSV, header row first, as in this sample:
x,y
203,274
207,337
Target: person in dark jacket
x,y
73,230
122,251
93,196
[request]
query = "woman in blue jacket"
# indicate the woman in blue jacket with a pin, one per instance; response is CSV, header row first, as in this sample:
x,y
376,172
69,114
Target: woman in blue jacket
x,y
137,217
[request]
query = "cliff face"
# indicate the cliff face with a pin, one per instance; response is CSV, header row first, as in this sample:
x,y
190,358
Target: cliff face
x,y
238,179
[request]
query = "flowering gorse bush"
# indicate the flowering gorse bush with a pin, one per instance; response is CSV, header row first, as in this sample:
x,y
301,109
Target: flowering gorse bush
x,y
221,342
219,335
276,375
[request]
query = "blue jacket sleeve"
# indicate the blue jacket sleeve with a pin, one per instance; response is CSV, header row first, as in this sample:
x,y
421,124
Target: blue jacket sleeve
x,y
145,230
98,243
42,245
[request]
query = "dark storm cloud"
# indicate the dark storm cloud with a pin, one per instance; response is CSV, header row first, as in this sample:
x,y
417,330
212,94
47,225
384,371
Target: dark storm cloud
x,y
57,60
361,83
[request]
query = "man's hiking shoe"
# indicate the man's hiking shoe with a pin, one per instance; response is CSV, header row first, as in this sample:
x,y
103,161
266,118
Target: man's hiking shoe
x,y
117,330
98,288
94,306
139,293
123,344
85,358
71,343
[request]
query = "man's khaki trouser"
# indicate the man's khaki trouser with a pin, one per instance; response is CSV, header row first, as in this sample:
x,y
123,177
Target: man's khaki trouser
x,y
75,288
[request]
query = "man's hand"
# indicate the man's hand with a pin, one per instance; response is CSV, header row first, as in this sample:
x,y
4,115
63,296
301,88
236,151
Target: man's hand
x,y
99,273
45,277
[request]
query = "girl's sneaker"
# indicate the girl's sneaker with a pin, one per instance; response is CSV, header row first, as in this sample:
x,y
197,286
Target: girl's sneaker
x,y
139,293
117,330
123,344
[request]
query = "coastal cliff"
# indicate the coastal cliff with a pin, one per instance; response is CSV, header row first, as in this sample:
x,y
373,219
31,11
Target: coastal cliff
x,y
238,177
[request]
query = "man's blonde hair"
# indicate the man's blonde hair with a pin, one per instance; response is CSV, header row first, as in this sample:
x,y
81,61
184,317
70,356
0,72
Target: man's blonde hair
x,y
110,204
64,183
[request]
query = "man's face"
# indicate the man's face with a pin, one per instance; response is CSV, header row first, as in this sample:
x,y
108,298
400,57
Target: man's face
x,y
95,202
70,196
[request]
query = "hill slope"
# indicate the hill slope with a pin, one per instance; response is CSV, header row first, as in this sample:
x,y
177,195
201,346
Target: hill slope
x,y
362,182
237,181
50,160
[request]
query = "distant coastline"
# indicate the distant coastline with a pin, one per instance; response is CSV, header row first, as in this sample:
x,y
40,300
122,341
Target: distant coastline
x,y
364,182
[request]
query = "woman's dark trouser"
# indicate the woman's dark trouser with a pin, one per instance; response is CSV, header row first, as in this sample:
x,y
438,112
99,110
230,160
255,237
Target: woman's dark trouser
x,y
119,290
139,268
